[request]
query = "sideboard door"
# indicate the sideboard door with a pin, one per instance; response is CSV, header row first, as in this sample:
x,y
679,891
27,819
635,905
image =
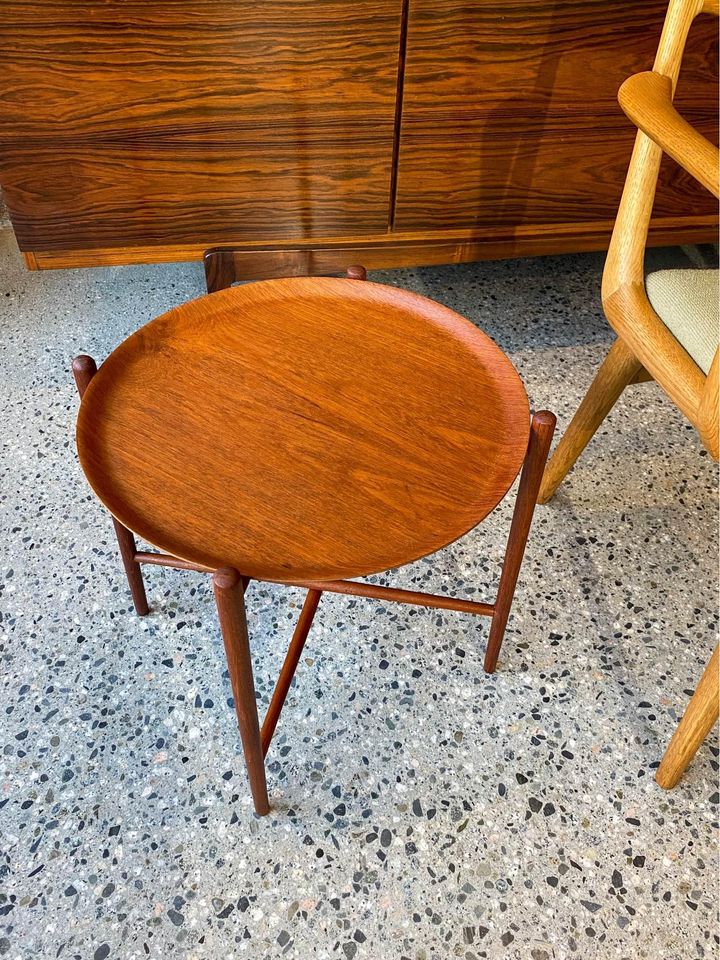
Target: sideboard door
x,y
510,118
152,123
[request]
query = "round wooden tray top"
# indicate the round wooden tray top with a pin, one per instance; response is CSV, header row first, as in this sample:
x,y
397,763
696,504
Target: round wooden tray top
x,y
304,429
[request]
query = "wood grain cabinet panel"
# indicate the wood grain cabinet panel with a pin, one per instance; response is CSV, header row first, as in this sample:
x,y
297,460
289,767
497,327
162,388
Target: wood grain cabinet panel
x,y
470,58
540,176
85,194
392,132
119,66
128,123
520,125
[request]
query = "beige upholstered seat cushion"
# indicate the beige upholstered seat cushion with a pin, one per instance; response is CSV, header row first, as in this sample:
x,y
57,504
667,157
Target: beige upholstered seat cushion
x,y
687,303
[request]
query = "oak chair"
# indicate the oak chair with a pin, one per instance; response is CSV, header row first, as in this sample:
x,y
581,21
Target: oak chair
x,y
308,432
699,719
666,323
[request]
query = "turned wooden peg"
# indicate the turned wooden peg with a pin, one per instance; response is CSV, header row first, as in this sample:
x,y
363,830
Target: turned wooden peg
x,y
229,597
541,434
356,273
84,369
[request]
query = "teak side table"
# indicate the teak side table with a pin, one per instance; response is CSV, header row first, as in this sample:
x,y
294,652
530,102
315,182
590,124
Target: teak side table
x,y
307,431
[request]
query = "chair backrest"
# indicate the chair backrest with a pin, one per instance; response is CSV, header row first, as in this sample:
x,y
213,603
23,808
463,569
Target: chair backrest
x,y
647,98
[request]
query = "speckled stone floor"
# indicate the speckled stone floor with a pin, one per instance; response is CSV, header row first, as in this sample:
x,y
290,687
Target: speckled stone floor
x,y
421,809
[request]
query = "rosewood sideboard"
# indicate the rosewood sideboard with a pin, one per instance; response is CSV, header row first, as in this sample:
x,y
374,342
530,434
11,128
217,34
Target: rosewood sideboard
x,y
388,132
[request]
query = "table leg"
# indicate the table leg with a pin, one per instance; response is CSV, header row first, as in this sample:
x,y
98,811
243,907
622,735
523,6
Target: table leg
x,y
302,628
84,369
541,434
128,549
229,597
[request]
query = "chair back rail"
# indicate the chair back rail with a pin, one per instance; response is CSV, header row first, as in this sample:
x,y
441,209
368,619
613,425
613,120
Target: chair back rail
x,y
647,100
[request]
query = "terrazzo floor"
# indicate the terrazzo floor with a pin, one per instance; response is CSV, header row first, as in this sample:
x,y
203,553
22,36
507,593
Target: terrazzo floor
x,y
421,809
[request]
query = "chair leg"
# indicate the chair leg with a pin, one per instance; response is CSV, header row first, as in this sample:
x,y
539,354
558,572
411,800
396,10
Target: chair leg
x,y
229,597
619,368
701,714
84,369
541,434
